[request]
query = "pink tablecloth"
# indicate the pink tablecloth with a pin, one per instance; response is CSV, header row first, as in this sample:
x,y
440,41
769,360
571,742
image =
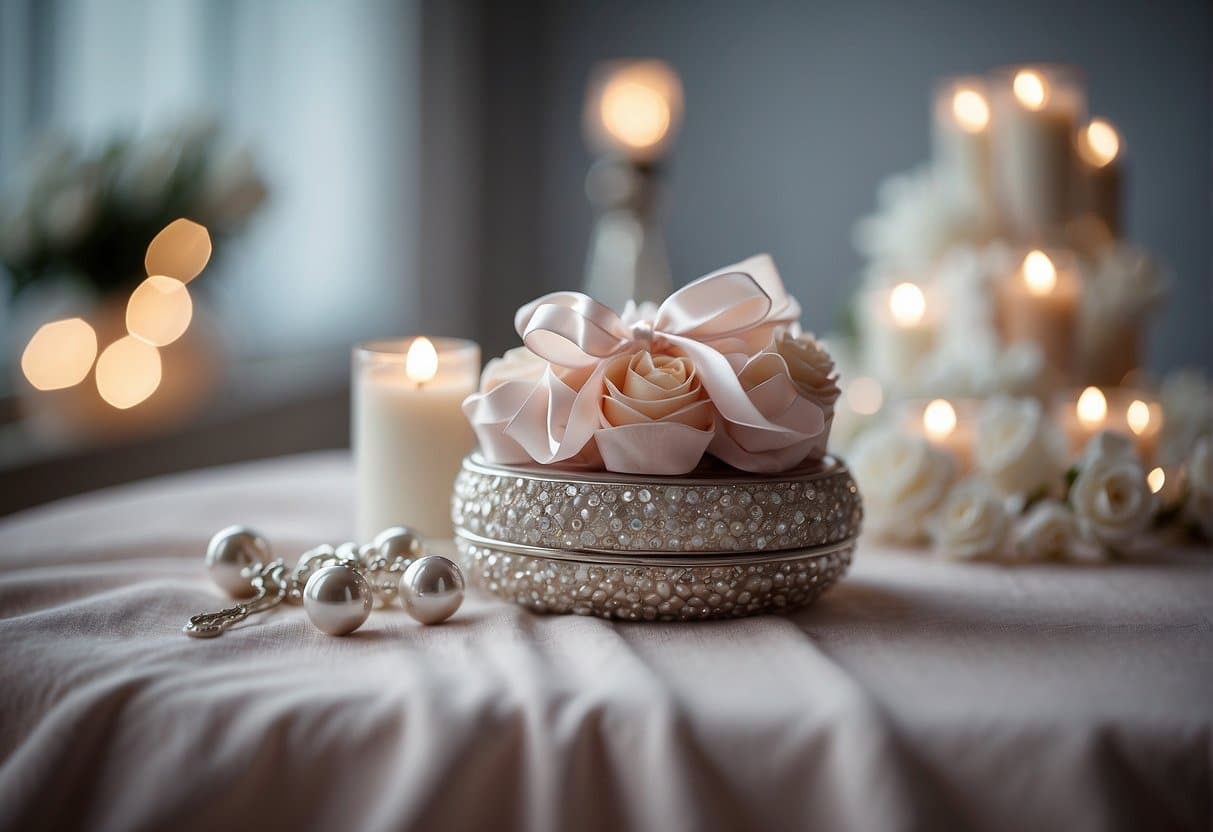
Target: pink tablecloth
x,y
917,695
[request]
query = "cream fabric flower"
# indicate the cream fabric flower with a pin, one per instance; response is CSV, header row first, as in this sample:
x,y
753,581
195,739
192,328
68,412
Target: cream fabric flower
x,y
903,479
518,364
1018,447
655,414
1047,530
810,367
1111,498
971,523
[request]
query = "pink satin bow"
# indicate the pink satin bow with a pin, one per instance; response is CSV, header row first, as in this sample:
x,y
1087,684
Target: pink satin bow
x,y
719,322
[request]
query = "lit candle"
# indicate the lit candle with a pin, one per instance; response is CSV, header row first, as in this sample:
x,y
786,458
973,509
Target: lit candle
x,y
1036,113
633,108
961,140
1039,304
948,425
1099,148
1123,410
409,432
899,333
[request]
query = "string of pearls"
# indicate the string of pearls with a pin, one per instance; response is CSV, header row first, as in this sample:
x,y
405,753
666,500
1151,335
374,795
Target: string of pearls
x,y
337,586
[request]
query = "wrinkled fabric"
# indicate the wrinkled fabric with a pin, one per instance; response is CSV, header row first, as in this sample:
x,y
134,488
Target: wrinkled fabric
x,y
916,695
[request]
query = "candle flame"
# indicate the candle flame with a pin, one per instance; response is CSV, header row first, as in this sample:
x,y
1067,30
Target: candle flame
x,y
1039,273
1156,479
864,395
1101,144
908,304
128,371
1092,407
421,362
60,354
939,419
1138,416
1031,89
635,111
971,110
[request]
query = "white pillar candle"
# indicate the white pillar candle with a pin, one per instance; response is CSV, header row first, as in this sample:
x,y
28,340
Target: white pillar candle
x,y
1036,113
950,425
899,332
1039,304
961,140
409,432
1125,410
1101,182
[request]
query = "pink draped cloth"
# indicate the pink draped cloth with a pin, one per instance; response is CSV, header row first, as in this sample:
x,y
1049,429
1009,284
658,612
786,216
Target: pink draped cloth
x,y
916,695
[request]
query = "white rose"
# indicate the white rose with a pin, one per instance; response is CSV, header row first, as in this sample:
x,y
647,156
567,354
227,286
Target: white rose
x,y
1018,447
1047,530
518,364
1199,504
971,523
1111,498
903,478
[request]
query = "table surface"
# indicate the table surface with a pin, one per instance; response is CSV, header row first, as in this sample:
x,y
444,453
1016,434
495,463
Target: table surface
x,y
916,694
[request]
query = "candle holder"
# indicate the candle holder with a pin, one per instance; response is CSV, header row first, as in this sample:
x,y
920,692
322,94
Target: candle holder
x,y
409,432
632,114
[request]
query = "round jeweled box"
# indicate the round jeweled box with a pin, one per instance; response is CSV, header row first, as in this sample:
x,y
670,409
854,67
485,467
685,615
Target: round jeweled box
x,y
715,544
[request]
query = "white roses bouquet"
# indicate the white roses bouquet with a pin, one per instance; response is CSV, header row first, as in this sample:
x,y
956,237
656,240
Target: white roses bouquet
x,y
719,369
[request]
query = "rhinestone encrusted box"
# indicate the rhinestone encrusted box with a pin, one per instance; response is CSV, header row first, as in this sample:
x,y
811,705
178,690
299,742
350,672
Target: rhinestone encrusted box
x,y
718,543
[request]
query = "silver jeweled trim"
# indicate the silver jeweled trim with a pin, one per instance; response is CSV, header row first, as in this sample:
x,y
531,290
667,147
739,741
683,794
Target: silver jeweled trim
x,y
814,506
654,588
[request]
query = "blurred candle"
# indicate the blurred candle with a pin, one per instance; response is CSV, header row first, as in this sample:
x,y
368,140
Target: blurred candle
x,y
409,432
949,425
1099,148
961,140
1039,304
1036,113
898,333
633,109
1133,413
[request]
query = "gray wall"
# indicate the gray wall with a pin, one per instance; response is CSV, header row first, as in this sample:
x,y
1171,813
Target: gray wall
x,y
795,111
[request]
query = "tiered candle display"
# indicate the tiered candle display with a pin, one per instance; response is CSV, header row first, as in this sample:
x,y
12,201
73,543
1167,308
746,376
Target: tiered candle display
x,y
1000,327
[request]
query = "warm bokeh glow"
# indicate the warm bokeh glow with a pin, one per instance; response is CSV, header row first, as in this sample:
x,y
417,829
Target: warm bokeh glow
x,y
1138,416
181,250
1156,479
1100,143
864,395
60,354
908,304
1039,274
971,110
1092,407
128,371
421,362
939,419
636,114
159,310
1031,89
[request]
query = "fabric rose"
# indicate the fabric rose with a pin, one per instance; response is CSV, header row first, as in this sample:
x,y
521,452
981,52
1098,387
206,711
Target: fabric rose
x,y
1046,530
971,523
1018,447
768,382
1111,498
518,364
1199,504
903,479
656,418
810,367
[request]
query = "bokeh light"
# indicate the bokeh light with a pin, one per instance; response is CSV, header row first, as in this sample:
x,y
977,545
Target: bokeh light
x,y
1101,143
1031,89
1156,479
971,110
421,362
181,250
1092,407
939,419
1137,416
128,372
908,304
159,310
1039,273
60,354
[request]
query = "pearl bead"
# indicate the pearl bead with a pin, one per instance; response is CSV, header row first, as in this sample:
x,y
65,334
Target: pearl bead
x,y
432,589
337,599
232,551
400,541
